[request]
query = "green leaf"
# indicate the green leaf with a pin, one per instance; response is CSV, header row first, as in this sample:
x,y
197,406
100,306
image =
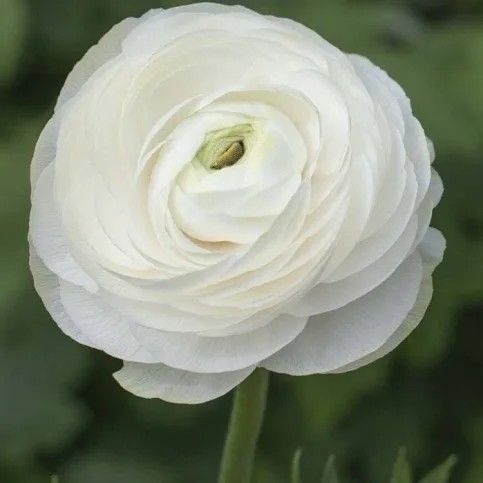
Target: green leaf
x,y
295,468
441,473
330,474
401,472
54,479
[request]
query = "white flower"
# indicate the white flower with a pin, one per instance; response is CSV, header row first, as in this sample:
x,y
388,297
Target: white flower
x,y
220,190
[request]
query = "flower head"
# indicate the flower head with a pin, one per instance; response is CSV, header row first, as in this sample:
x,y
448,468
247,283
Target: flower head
x,y
219,190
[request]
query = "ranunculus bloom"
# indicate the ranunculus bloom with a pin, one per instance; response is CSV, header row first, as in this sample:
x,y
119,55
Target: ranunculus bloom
x,y
220,190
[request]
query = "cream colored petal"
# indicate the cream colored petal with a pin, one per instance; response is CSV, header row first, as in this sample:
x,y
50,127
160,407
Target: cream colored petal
x,y
174,385
47,236
431,250
122,338
325,297
108,47
47,285
336,339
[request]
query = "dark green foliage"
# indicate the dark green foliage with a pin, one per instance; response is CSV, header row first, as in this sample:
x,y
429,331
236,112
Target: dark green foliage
x,y
60,410
401,473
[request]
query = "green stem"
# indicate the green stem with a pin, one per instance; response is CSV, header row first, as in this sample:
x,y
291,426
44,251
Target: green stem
x,y
244,428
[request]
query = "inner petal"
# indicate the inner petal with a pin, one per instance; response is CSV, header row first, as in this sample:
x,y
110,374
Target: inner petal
x,y
214,195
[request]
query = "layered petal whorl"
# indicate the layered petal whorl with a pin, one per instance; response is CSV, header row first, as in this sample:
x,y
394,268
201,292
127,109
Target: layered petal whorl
x,y
219,190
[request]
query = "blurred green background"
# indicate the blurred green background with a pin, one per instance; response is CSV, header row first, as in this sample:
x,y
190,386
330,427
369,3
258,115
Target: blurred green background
x,y
60,410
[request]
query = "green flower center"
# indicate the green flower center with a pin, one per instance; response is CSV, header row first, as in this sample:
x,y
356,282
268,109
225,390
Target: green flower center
x,y
230,156
224,147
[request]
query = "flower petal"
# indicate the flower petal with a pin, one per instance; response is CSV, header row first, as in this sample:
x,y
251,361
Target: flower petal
x,y
205,354
45,149
173,385
335,339
47,285
108,47
46,235
122,338
326,297
431,249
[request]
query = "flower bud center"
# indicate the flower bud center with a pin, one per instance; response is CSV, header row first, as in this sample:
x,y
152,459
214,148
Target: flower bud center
x,y
224,147
234,152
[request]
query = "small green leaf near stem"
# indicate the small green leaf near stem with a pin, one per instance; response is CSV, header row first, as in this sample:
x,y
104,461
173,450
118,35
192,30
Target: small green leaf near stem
x,y
401,472
442,473
295,472
330,473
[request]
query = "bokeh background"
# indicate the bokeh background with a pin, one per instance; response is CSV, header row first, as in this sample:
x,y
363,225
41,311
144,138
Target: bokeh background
x,y
60,410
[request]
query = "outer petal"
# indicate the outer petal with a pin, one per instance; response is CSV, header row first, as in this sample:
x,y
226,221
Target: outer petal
x,y
331,296
415,140
46,234
108,47
45,149
101,324
432,248
219,354
121,338
336,339
47,285
173,385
